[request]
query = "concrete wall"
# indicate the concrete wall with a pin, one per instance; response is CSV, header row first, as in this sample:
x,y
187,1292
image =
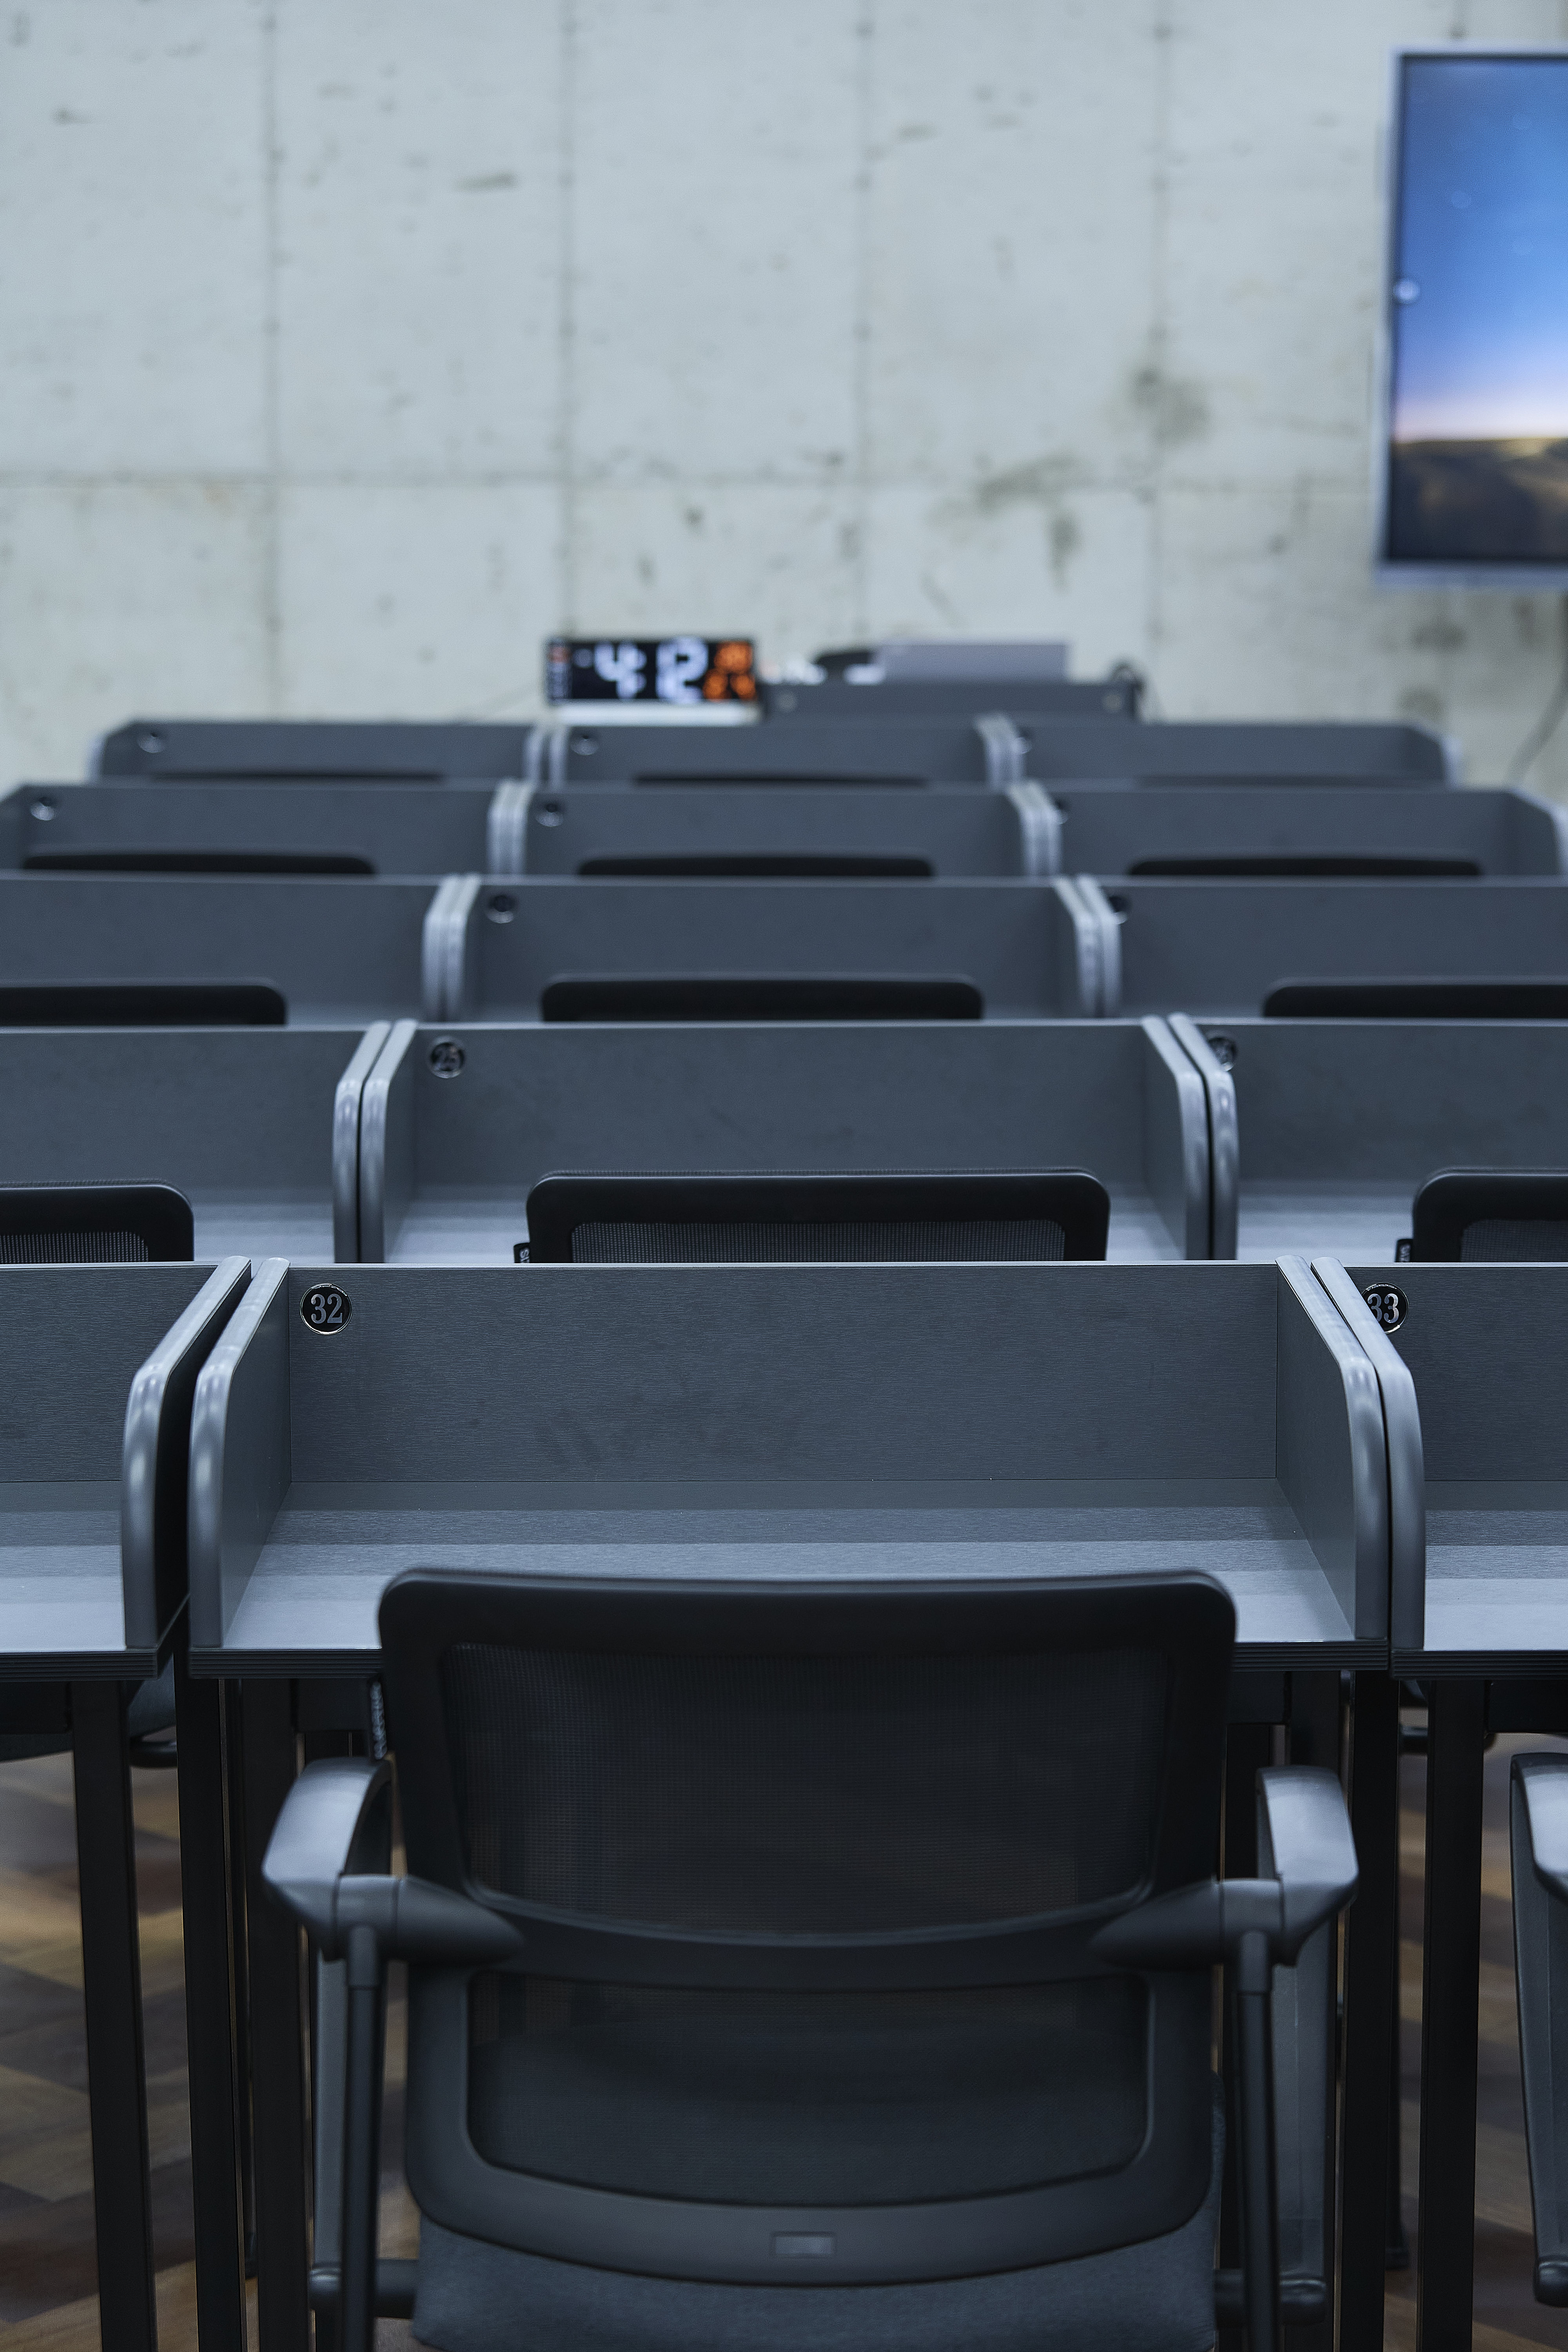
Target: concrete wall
x,y
349,346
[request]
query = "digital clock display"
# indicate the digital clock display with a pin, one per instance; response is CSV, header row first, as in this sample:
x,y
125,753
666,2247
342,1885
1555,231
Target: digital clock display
x,y
672,670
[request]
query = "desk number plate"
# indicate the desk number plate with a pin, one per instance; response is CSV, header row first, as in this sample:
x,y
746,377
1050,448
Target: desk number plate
x,y
325,1309
1388,1305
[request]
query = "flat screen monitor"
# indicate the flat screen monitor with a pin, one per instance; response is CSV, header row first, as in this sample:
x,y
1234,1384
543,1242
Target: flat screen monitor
x,y
1475,457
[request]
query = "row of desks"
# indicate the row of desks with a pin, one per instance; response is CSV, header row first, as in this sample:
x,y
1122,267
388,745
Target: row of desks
x,y
940,830
417,1144
928,734
1250,1418
340,950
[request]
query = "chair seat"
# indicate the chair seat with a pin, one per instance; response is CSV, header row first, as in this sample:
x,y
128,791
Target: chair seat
x,y
1157,2297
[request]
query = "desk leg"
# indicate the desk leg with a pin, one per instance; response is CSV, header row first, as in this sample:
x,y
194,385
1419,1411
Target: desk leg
x,y
277,2035
1446,2249
207,1864
1371,1967
1317,1737
111,1986
239,1947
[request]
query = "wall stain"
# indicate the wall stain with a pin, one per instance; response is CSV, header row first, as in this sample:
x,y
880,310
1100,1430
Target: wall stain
x,y
1064,539
1039,482
1174,407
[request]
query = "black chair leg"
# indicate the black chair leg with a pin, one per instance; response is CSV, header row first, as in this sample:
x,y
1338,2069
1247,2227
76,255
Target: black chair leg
x,y
1253,1976
112,1986
205,1877
277,2036
1249,1748
1445,2233
1372,1976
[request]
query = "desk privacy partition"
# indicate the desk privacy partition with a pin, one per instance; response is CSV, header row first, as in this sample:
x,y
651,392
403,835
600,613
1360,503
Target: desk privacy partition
x,y
1474,1360
337,952
1328,752
312,751
763,830
457,1122
828,1421
986,750
258,1128
1224,946
898,696
1280,831
245,827
555,950
1324,1131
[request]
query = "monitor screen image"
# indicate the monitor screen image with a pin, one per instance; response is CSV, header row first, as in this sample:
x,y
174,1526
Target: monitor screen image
x,y
1478,441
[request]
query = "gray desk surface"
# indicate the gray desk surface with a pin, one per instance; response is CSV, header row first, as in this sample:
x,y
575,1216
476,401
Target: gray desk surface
x,y
1359,1222
296,1224
310,1603
1497,1575
61,1602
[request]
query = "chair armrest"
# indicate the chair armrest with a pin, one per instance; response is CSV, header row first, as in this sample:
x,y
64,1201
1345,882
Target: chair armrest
x,y
326,1863
1543,1784
1308,1865
1304,1842
336,1820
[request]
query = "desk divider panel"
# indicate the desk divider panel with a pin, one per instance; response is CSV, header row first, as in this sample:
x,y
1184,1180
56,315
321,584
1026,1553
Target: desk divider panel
x,y
244,1122
1111,828
1216,949
598,829
895,752
1486,1350
492,953
284,752
459,1122
98,1364
1340,1122
1342,752
374,828
340,950
781,1420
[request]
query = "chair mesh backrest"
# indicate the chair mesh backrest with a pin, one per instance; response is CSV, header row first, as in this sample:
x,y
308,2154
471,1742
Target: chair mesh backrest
x,y
785,1795
1534,1241
909,1241
82,1249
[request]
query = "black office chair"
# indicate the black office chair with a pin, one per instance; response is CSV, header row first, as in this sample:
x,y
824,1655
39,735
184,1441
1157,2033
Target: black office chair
x,y
196,861
1417,999
765,996
94,1224
1477,1215
1306,865
1539,1836
142,1004
807,1965
686,1220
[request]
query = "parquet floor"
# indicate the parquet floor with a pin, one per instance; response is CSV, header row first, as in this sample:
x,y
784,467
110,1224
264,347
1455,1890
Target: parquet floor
x,y
47,2267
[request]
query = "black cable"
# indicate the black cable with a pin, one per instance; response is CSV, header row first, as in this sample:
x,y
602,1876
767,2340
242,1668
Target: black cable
x,y
1551,718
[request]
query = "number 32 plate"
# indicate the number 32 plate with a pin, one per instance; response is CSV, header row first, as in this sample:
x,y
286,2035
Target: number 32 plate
x,y
325,1309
